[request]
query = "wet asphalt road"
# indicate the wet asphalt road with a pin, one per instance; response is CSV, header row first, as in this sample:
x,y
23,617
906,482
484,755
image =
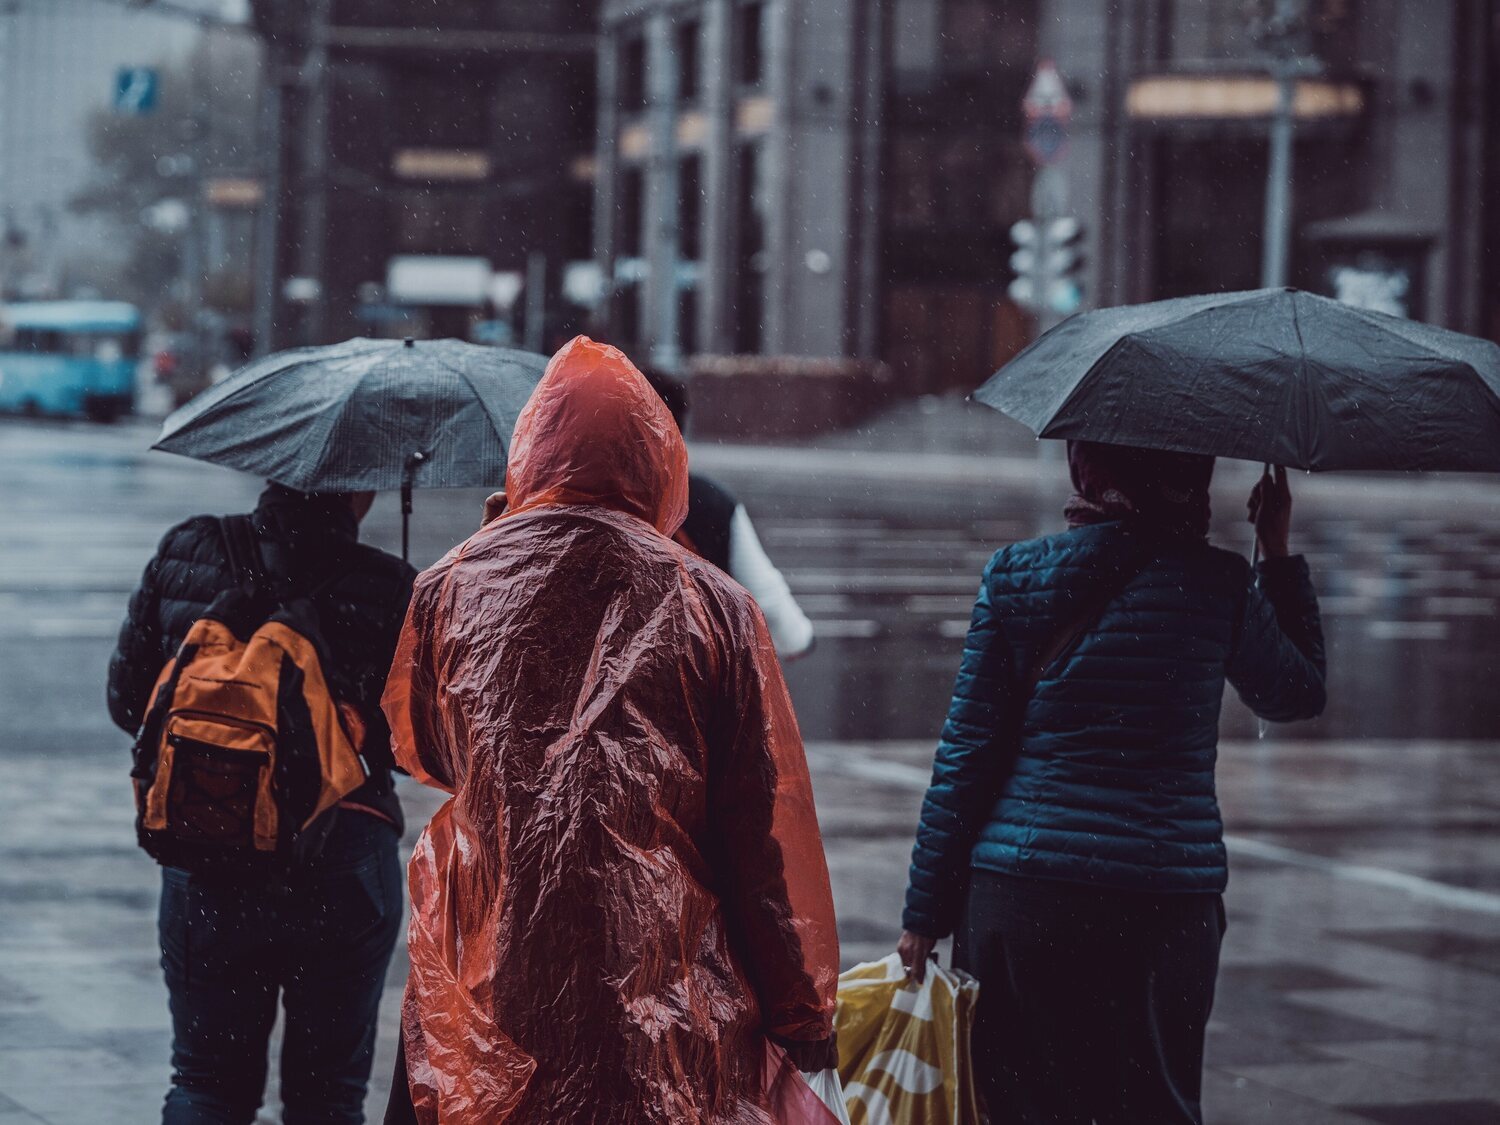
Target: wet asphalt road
x,y
1362,978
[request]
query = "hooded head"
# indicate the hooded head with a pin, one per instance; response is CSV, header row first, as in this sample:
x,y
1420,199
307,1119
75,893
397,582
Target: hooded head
x,y
594,432
1166,490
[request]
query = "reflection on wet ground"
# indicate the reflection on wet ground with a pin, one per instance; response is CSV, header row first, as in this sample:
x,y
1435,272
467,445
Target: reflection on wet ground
x,y
1409,604
1361,976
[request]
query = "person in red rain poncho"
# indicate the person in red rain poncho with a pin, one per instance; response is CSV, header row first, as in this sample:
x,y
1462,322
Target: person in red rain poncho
x,y
626,893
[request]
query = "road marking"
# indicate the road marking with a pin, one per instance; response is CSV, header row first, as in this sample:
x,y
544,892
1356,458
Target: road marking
x,y
1408,630
1460,606
848,760
827,627
71,628
1444,894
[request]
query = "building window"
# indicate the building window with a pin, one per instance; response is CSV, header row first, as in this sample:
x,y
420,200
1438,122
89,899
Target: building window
x,y
465,119
752,205
750,45
440,222
687,319
690,207
632,63
689,60
629,269
689,248
911,185
1224,29
630,214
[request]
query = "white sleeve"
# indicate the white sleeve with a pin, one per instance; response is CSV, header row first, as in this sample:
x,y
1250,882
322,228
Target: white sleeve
x,y
749,565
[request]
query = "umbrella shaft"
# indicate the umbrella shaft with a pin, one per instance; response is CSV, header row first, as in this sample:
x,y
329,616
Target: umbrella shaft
x,y
406,521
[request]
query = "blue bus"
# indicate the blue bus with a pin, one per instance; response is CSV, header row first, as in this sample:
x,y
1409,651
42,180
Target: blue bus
x,y
69,358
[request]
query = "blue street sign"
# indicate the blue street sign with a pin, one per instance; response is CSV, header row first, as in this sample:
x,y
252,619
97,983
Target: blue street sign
x,y
135,90
1046,137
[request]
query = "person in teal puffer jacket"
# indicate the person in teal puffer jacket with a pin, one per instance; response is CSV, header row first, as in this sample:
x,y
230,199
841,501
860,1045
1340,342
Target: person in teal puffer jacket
x,y
1070,838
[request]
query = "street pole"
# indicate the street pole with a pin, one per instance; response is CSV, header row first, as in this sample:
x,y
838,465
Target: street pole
x,y
1282,34
10,235
314,227
536,301
665,351
267,290
1278,222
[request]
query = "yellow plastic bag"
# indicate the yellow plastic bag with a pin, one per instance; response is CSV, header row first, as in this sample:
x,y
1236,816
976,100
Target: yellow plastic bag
x,y
904,1047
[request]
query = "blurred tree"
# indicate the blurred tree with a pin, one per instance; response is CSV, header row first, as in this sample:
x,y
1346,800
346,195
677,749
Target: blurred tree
x,y
151,171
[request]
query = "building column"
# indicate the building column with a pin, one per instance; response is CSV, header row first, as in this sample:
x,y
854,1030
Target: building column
x,y
715,321
606,170
872,45
663,239
1469,110
777,288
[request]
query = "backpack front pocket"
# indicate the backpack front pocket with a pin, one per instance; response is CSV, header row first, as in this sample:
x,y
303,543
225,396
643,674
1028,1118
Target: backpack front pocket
x,y
213,793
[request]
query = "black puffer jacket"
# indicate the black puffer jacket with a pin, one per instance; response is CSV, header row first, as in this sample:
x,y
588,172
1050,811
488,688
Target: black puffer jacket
x,y
303,539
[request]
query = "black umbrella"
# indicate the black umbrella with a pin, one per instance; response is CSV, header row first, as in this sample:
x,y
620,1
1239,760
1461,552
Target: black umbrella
x,y
1272,375
364,415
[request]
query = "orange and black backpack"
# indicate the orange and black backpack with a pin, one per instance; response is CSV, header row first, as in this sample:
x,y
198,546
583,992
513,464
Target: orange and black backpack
x,y
244,752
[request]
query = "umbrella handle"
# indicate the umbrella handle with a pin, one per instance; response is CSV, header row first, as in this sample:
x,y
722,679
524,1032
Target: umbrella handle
x,y
1263,727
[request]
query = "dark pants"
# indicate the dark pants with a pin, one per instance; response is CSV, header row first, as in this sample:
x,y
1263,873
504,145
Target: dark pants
x,y
400,1110
322,941
1092,1003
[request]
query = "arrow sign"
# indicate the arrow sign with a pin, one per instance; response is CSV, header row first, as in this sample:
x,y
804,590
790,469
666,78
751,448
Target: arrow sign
x,y
135,90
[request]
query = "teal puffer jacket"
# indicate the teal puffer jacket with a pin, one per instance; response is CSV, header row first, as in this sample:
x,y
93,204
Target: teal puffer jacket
x,y
1104,772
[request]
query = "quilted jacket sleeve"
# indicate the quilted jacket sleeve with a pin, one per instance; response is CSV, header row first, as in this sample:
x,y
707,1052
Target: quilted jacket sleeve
x,y
1277,665
137,659
977,745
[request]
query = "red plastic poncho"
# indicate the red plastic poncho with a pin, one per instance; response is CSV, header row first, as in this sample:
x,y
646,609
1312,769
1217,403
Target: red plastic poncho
x,y
627,888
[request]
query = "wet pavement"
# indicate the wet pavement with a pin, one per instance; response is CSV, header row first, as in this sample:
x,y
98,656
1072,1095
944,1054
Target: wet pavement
x,y
1362,964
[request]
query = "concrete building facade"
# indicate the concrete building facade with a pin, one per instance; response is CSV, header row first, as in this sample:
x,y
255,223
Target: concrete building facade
x,y
832,178
424,161
826,178
1394,163
737,152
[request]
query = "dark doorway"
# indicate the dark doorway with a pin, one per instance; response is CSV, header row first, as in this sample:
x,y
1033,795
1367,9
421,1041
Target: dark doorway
x,y
1208,212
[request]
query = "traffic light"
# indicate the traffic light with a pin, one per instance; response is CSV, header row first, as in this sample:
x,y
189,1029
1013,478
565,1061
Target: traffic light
x,y
1047,259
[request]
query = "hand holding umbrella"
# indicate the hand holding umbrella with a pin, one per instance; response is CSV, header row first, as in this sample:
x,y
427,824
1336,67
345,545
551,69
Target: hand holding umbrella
x,y
1270,510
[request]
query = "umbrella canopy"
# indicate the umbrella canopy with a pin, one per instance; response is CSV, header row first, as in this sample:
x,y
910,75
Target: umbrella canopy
x,y
364,415
1274,375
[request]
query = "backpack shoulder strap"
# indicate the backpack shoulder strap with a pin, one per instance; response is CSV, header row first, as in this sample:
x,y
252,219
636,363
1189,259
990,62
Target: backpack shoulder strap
x,y
242,549
1076,627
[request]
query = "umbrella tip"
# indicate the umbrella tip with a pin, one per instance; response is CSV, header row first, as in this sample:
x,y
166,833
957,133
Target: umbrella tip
x,y
410,341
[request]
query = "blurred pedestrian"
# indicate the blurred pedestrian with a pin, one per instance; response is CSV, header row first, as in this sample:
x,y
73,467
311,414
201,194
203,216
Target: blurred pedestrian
x,y
318,934
626,894
1071,836
719,529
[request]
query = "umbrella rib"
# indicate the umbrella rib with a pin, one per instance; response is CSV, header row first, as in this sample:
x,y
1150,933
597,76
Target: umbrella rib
x,y
1307,403
202,404
1077,388
335,416
206,404
483,402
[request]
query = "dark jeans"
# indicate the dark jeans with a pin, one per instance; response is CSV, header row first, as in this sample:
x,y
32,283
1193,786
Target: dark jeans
x,y
322,940
1092,1003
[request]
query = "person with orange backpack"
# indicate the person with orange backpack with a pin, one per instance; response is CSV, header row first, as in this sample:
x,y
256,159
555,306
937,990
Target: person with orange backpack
x,y
250,668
